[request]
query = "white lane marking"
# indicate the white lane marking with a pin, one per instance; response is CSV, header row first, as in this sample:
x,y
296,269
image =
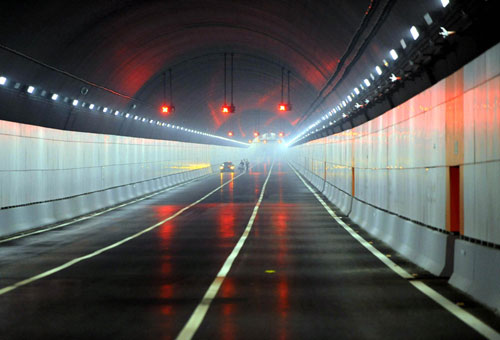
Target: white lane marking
x,y
199,313
114,245
460,313
39,231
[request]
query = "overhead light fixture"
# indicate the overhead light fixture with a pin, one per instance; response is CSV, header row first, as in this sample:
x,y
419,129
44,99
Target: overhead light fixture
x,y
414,33
117,113
75,102
3,80
356,90
127,115
394,78
30,89
445,33
283,107
393,54
228,108
428,19
403,43
367,82
91,106
105,110
167,108
445,3
378,70
54,96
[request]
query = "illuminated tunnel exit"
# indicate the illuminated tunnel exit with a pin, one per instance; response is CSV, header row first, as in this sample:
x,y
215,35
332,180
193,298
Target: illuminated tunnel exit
x,y
249,170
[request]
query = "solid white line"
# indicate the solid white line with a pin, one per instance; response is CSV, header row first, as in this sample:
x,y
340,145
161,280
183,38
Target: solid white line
x,y
199,313
460,313
114,245
39,231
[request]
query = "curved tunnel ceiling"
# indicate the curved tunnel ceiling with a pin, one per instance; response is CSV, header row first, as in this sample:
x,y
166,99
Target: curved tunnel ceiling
x,y
125,46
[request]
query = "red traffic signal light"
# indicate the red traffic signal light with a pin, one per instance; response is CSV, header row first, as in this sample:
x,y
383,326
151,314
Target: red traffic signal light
x,y
285,107
228,109
230,133
166,109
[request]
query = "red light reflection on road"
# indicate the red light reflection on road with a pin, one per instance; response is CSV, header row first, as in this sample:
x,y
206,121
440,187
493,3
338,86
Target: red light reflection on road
x,y
167,229
167,292
283,302
226,220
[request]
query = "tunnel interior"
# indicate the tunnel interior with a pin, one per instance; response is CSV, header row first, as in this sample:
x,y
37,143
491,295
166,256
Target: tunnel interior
x,y
368,135
114,55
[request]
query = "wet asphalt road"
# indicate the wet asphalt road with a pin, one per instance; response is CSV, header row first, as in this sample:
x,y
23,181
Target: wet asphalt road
x,y
298,276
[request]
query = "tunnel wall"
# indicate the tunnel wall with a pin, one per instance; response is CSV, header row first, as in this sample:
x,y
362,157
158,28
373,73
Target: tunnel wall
x,y
424,175
49,175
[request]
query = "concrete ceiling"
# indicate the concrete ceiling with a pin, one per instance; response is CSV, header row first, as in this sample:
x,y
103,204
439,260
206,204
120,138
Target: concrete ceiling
x,y
123,47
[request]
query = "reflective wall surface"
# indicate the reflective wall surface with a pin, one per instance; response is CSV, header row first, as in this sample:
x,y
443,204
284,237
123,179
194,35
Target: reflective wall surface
x,y
405,160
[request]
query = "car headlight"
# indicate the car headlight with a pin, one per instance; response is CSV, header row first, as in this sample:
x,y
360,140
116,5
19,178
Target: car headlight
x,y
232,167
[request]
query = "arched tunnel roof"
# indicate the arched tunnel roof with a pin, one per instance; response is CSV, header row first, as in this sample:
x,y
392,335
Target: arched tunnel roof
x,y
119,50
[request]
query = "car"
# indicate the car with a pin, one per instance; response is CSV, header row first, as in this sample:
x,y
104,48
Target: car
x,y
227,167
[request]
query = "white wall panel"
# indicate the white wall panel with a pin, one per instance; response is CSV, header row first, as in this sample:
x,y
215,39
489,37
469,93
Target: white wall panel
x,y
402,158
40,164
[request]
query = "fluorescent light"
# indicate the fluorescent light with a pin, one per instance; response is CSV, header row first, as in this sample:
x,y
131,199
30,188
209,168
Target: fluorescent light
x,y
445,3
428,19
3,80
91,106
117,113
127,115
393,54
367,82
75,102
414,33
349,98
105,110
403,43
378,70
31,89
54,96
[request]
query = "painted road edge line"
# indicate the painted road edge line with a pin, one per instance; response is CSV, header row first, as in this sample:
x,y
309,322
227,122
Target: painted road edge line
x,y
111,246
86,217
457,311
201,310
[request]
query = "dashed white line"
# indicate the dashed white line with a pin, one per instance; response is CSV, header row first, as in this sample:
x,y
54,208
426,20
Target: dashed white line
x,y
114,245
199,313
460,313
